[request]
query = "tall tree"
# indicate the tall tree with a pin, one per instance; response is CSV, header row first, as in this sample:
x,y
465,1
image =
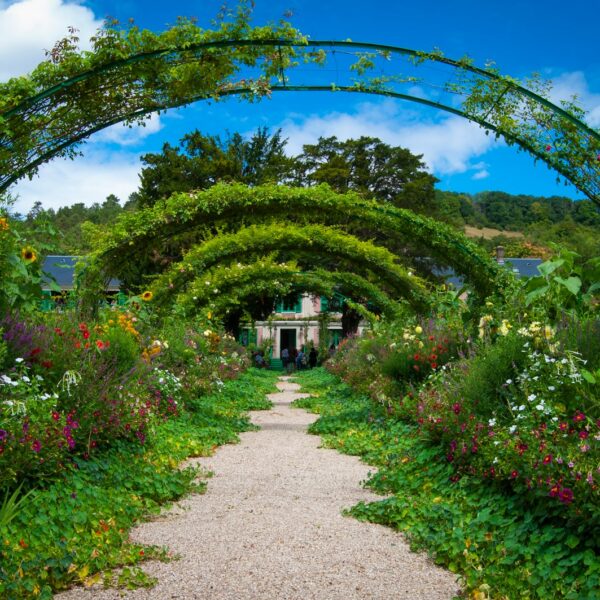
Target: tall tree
x,y
200,161
371,168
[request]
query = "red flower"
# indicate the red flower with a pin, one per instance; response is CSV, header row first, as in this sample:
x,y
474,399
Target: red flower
x,y
563,427
100,344
547,459
77,345
47,364
434,365
456,408
554,491
82,327
548,148
514,474
579,416
36,446
583,435
55,415
86,334
416,357
35,351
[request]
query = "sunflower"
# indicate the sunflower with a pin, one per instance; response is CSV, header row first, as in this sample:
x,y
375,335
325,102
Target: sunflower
x,y
147,296
28,254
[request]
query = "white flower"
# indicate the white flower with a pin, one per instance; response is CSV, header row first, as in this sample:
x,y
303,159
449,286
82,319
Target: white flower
x,y
509,381
522,407
531,397
26,379
540,407
492,422
551,388
512,429
19,360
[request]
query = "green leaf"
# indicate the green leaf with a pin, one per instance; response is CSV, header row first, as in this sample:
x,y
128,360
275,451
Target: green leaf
x,y
550,266
589,377
573,284
535,294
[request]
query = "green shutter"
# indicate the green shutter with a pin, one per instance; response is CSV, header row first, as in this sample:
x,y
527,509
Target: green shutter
x,y
324,304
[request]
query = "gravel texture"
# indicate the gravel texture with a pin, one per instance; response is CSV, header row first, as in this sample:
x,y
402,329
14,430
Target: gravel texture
x,y
270,527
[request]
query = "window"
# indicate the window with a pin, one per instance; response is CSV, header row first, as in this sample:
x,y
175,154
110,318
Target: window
x,y
291,304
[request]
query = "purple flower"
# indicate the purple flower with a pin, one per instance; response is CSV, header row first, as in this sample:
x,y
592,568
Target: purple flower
x,y
3,434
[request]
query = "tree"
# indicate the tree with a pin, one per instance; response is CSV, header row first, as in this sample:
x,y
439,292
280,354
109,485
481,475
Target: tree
x,y
371,168
201,160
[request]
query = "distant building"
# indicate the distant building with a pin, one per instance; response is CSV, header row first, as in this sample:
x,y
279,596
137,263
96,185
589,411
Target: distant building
x,y
59,272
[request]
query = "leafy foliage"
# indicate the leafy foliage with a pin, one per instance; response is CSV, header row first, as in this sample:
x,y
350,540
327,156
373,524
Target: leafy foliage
x,y
69,531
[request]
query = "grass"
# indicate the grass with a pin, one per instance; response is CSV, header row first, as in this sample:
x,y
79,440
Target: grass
x,y
76,530
498,544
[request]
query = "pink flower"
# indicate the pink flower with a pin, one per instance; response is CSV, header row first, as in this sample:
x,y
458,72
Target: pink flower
x,y
579,416
566,495
456,408
36,446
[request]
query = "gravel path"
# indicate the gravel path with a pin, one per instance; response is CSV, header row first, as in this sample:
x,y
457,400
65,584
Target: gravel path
x,y
269,527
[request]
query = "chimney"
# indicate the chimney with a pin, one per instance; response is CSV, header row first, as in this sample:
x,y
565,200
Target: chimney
x,y
500,255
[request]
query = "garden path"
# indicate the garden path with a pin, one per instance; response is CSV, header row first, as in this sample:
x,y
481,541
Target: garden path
x,y
270,527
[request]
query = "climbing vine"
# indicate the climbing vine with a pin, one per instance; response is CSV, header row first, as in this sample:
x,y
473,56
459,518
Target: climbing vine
x,y
226,206
226,286
309,240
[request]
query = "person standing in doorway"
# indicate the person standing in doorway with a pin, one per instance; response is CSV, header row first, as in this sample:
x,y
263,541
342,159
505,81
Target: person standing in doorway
x,y
285,358
312,358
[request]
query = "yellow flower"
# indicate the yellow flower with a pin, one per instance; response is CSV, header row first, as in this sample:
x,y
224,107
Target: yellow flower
x,y
418,329
4,226
548,332
28,254
505,327
147,296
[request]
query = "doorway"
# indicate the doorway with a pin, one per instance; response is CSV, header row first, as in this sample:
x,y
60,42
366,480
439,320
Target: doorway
x,y
287,339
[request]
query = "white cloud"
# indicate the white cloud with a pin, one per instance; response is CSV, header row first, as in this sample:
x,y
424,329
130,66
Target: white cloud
x,y
481,174
567,85
448,144
129,136
29,27
88,179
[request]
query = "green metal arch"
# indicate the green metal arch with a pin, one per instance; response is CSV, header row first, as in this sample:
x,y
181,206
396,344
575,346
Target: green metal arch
x,y
225,203
307,240
589,183
321,282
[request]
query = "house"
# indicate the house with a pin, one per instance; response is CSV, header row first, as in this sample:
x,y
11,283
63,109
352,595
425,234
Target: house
x,y
299,323
58,280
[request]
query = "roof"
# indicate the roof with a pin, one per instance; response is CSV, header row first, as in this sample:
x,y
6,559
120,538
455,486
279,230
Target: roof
x,y
62,270
521,267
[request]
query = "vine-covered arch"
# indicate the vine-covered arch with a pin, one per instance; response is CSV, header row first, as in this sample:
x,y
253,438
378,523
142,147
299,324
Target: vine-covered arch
x,y
131,74
235,281
231,204
308,240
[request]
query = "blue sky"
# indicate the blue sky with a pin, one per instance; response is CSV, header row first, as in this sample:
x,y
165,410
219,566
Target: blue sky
x,y
554,38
